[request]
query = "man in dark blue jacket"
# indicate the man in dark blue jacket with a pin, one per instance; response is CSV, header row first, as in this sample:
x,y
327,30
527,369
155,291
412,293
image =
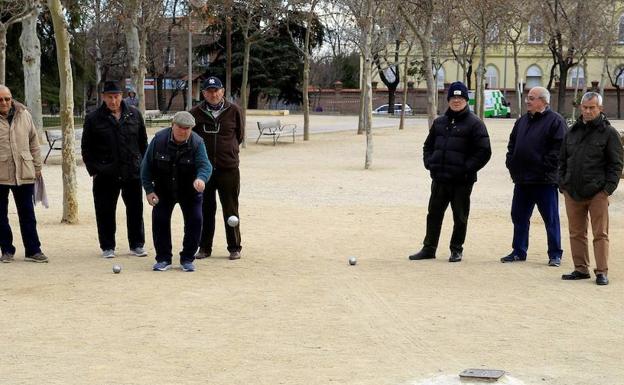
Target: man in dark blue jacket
x,y
175,169
532,160
113,143
456,148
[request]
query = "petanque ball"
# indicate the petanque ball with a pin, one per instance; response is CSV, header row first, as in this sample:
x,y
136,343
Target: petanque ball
x,y
352,261
232,221
116,269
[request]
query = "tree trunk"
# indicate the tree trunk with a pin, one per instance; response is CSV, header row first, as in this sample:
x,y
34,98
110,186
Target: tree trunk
x,y
139,87
243,90
617,93
561,92
3,45
432,89
405,68
98,51
368,96
480,98
133,44
228,55
517,73
306,79
361,123
66,96
31,61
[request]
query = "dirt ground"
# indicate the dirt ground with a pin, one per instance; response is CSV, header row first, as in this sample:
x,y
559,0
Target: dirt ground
x,y
292,311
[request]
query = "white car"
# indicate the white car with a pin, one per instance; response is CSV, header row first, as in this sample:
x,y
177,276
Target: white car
x,y
383,109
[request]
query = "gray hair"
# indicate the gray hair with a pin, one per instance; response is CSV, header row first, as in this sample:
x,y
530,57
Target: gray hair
x,y
542,94
4,88
590,95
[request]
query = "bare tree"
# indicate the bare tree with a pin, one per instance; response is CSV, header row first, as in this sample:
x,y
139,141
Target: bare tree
x,y
31,60
66,96
616,79
514,21
12,12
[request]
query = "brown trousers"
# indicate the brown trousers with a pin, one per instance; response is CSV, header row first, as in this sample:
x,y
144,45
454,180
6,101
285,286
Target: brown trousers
x,y
598,209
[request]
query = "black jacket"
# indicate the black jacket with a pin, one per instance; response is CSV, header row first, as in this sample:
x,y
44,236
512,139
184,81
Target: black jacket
x,y
533,149
457,147
114,148
222,135
591,159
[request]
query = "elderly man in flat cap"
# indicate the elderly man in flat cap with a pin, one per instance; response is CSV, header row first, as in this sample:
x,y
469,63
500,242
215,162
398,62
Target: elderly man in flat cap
x,y
175,169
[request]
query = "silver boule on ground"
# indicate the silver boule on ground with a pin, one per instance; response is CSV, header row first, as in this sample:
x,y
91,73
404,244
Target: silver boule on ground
x,y
116,269
232,221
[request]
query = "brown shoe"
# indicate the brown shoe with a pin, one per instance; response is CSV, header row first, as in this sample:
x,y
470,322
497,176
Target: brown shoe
x,y
7,258
202,253
37,257
235,255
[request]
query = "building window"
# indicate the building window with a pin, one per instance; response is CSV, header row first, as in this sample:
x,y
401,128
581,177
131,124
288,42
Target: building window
x,y
533,77
536,31
203,60
440,78
621,30
576,74
491,77
171,58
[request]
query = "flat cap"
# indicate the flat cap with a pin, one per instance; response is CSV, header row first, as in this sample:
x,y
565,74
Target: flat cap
x,y
184,119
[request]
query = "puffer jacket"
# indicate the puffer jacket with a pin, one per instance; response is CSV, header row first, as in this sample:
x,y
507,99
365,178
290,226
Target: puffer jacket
x,y
458,145
20,154
591,159
222,135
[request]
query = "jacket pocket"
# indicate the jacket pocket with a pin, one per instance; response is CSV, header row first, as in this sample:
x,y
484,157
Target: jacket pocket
x,y
28,166
4,167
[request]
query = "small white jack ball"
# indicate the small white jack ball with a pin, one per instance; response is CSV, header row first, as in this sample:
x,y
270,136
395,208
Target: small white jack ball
x,y
232,221
352,261
116,269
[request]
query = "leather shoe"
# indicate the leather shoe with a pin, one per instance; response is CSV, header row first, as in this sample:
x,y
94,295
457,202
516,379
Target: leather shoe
x,y
601,279
202,253
422,254
513,257
575,275
455,257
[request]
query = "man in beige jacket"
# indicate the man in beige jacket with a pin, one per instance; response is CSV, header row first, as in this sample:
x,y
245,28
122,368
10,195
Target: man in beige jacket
x,y
20,165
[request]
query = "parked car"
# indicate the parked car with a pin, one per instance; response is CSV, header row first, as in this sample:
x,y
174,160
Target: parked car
x,y
383,109
495,104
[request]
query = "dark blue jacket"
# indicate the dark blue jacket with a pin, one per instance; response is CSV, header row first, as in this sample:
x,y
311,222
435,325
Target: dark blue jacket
x,y
533,149
457,147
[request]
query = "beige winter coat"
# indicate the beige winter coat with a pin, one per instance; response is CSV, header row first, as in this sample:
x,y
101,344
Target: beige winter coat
x,y
20,154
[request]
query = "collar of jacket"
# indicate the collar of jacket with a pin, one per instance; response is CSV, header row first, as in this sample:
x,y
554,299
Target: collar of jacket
x,y
538,115
459,115
203,106
599,123
124,109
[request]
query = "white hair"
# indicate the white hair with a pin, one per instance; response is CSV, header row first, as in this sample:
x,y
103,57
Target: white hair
x,y
590,95
4,88
542,94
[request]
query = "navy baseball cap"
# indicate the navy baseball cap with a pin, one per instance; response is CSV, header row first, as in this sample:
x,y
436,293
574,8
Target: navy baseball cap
x,y
212,82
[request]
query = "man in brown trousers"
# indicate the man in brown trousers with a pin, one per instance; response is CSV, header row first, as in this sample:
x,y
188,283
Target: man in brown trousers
x,y
590,167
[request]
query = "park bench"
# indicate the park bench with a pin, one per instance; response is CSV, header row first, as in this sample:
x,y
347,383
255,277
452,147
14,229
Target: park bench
x,y
275,129
55,140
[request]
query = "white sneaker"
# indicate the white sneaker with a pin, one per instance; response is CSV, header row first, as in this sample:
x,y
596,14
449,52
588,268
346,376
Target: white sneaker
x,y
110,253
138,252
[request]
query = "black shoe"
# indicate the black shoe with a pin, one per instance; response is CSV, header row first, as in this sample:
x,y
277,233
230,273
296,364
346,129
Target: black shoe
x,y
422,254
601,279
575,275
455,256
203,253
513,257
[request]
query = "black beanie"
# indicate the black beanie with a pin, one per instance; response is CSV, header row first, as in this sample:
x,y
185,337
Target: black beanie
x,y
458,89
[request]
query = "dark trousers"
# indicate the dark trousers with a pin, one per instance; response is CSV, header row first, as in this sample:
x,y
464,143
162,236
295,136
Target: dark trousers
x,y
227,184
191,206
458,195
105,196
23,196
525,198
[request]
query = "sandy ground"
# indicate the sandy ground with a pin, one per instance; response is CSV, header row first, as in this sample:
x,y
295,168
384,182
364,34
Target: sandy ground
x,y
292,311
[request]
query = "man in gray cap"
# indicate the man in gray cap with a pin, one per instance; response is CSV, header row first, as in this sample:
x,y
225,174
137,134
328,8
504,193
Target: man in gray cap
x,y
175,169
222,126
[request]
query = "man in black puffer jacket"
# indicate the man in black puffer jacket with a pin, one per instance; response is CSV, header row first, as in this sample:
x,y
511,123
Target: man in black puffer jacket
x,y
590,167
456,148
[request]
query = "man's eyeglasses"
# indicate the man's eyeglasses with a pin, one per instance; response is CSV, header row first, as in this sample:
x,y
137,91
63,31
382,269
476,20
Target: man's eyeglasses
x,y
531,98
6,99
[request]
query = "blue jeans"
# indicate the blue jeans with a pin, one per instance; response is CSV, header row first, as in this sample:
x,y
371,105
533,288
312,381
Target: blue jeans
x,y
23,196
525,198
